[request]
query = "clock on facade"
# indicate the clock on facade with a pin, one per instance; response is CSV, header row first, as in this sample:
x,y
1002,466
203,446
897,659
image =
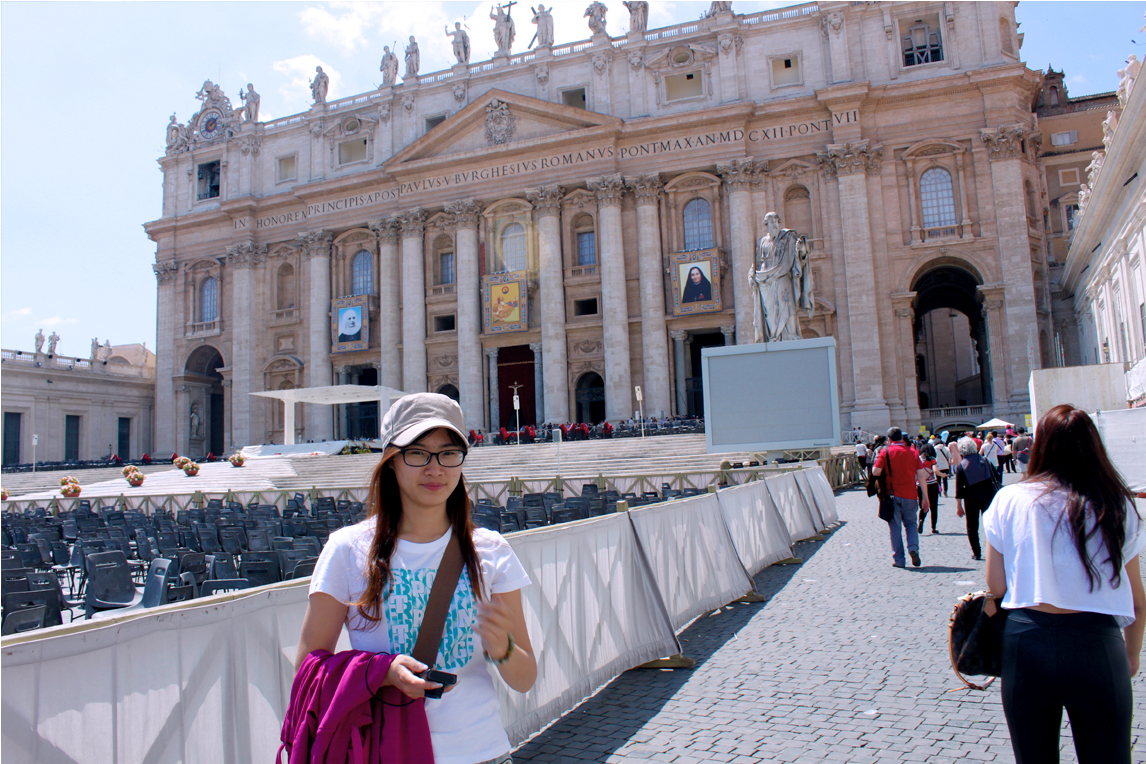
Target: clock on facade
x,y
211,123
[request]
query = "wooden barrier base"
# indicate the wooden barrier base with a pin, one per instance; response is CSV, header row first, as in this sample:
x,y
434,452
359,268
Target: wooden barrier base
x,y
671,662
790,561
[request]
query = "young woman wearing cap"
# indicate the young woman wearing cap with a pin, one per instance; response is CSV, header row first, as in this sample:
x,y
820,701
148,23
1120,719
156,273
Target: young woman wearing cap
x,y
375,577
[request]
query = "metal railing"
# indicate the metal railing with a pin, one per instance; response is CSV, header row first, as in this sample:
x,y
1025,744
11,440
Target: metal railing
x,y
958,412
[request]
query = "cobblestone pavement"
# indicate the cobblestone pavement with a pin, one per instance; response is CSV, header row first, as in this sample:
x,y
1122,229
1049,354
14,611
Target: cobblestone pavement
x,y
847,661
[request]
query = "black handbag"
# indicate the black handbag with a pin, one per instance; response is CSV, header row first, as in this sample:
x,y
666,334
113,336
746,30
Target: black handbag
x,y
976,638
887,500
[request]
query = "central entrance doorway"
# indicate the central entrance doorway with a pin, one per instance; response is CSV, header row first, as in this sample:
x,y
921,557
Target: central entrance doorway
x,y
362,418
694,384
515,367
590,395
207,415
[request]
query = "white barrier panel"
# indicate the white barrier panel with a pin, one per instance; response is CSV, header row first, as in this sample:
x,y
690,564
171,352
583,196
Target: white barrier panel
x,y
801,477
757,530
825,496
593,611
1124,435
797,516
196,685
691,553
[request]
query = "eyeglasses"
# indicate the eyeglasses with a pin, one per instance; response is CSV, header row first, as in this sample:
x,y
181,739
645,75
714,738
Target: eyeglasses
x,y
420,457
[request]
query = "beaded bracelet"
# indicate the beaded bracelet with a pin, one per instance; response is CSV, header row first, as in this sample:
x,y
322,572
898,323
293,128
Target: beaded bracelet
x,y
504,658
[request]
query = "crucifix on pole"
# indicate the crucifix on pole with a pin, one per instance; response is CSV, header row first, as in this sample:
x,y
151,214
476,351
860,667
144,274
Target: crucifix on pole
x,y
517,407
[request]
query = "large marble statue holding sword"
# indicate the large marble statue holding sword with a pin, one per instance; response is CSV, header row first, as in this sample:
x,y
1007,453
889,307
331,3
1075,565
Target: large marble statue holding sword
x,y
781,282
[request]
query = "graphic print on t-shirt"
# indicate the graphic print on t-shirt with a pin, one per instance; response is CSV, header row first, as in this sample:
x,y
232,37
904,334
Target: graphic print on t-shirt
x,y
406,604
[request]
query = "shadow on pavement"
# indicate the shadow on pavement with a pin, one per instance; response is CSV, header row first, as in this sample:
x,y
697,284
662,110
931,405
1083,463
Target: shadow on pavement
x,y
942,569
607,720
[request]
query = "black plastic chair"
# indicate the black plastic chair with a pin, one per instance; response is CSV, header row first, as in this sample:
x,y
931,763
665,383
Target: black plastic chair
x,y
564,516
26,619
49,599
535,517
208,540
223,567
290,558
310,544
224,585
49,580
30,555
10,559
304,568
109,584
260,572
14,580
194,563
258,540
180,593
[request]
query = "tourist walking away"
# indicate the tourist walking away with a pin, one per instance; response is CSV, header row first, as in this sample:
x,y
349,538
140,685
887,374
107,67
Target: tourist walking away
x,y
974,490
861,455
942,463
929,463
378,579
904,473
1021,448
990,451
1063,558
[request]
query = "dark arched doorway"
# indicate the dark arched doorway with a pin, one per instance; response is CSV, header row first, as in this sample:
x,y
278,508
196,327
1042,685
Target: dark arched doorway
x,y
205,414
449,391
951,349
362,418
590,395
515,372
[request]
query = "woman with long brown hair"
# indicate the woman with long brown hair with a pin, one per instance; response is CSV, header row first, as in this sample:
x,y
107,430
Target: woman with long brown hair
x,y
1062,557
375,578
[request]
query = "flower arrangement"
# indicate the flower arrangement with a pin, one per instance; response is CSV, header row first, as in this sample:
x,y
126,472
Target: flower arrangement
x,y
190,469
3,494
133,476
69,487
237,459
180,462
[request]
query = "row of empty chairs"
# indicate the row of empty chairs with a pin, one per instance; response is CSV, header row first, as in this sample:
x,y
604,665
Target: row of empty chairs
x,y
537,510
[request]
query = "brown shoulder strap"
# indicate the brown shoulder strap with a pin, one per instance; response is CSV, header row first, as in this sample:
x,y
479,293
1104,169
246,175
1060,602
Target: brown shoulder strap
x,y
438,606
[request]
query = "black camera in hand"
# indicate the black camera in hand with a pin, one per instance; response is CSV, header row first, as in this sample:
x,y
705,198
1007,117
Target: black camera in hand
x,y
443,678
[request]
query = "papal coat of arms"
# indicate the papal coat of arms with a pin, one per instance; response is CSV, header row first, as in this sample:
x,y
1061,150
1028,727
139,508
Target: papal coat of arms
x,y
499,123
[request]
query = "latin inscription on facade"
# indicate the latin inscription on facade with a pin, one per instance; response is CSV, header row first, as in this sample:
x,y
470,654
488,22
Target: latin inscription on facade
x,y
320,208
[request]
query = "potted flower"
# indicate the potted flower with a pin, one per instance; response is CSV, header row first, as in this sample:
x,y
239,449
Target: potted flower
x,y
237,459
190,469
180,462
133,476
69,487
128,470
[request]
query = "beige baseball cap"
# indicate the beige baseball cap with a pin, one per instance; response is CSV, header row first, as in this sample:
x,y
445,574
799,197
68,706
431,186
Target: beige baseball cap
x,y
412,416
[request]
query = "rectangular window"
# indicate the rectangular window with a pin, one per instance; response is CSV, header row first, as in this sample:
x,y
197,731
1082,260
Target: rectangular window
x,y
208,178
587,248
445,323
71,438
921,41
574,98
1064,139
123,446
286,169
11,438
585,307
353,151
680,86
1071,216
432,122
1068,177
446,268
786,71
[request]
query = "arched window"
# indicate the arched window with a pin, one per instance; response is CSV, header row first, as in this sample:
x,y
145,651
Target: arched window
x,y
798,210
937,197
1053,96
208,300
513,248
697,225
285,297
362,273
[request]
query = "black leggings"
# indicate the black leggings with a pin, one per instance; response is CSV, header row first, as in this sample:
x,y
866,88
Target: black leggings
x,y
933,499
1075,661
973,514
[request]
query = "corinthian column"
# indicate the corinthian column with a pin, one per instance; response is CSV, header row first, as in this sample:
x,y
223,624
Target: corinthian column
x,y
242,260
165,420
903,303
547,207
494,391
849,164
389,301
654,335
413,302
315,246
739,176
618,383
469,311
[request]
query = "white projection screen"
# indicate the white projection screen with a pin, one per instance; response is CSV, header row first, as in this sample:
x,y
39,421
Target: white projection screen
x,y
771,396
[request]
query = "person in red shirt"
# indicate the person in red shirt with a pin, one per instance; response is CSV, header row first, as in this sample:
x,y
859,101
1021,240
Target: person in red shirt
x,y
904,473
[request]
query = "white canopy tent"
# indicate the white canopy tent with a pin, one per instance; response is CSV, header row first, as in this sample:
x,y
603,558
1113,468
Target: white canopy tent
x,y
330,396
994,424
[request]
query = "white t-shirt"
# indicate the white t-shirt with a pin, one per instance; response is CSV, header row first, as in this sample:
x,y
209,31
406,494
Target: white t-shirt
x,y
1040,559
861,451
990,451
465,725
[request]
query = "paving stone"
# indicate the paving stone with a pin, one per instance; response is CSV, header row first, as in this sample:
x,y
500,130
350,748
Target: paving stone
x,y
790,680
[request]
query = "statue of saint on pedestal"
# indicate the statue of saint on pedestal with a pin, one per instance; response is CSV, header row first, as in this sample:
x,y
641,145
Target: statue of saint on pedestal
x,y
504,29
39,340
461,43
781,282
53,340
250,101
543,18
389,67
319,85
638,15
413,59
95,348
596,15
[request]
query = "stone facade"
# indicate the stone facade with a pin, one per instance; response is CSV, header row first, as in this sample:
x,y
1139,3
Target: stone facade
x,y
81,408
898,137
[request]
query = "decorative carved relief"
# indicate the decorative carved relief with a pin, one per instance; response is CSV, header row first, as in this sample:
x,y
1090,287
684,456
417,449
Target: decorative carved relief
x,y
636,60
465,212
386,229
600,63
588,347
546,200
850,158
460,92
739,174
314,243
1003,142
542,73
384,112
500,123
413,222
609,190
646,188
250,145
446,361
408,103
166,271
246,255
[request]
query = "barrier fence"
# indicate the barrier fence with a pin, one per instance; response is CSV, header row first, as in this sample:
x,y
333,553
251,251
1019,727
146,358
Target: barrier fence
x,y
209,680
840,471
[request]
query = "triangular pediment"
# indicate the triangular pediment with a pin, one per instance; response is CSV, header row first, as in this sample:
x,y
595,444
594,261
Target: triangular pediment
x,y
498,121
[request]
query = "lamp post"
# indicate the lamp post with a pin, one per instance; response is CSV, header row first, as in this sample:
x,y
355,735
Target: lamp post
x,y
641,403
517,408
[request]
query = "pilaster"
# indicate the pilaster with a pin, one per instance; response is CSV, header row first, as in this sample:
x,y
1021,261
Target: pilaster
x,y
164,424
903,304
494,391
243,259
618,377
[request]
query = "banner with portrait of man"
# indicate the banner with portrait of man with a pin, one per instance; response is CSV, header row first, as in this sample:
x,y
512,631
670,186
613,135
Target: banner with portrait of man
x,y
695,280
505,301
350,324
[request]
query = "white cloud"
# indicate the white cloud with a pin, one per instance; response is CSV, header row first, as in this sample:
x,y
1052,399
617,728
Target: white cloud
x,y
299,71
1078,80
56,321
18,313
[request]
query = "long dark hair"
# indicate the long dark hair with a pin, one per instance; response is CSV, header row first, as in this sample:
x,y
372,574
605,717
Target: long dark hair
x,y
1069,452
384,505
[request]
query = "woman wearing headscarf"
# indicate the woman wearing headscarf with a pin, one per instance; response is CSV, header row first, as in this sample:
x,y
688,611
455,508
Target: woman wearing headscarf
x,y
697,287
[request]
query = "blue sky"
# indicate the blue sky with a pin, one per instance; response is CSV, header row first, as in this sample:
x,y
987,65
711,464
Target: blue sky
x,y
86,89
